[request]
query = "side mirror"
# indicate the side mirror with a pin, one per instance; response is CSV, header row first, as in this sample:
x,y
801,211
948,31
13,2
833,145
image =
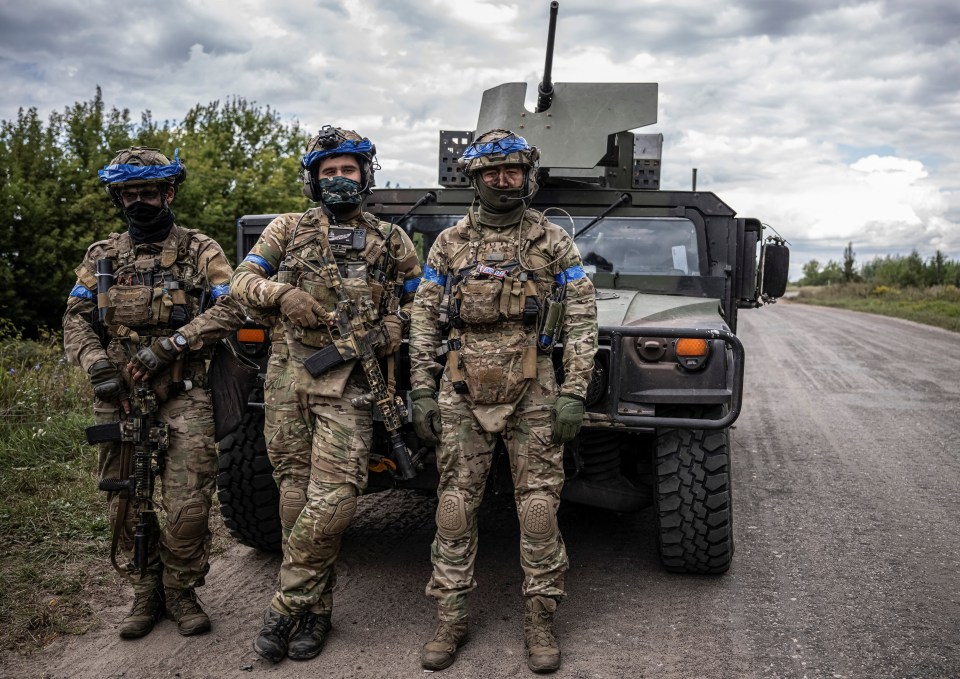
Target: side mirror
x,y
774,268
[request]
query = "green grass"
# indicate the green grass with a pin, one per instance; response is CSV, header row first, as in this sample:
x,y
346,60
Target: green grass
x,y
52,518
938,306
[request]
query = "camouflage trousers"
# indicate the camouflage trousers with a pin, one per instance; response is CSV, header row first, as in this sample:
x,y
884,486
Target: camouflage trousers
x,y
288,436
186,482
342,436
536,465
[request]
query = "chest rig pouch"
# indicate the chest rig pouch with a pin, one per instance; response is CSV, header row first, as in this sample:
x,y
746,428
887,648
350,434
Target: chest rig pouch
x,y
356,254
150,293
495,356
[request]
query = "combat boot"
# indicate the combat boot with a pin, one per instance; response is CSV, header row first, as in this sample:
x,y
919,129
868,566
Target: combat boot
x,y
440,652
182,606
148,606
272,641
307,641
543,651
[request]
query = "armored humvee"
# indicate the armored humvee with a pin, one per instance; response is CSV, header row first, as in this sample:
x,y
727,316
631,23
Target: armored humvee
x,y
672,270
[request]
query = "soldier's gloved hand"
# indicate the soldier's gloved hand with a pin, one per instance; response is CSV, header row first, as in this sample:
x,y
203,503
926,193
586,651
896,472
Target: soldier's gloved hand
x,y
394,326
567,418
426,415
301,308
106,379
153,359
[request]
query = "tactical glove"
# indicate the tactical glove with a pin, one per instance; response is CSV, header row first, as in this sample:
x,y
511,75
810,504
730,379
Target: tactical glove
x,y
567,418
154,358
394,326
106,379
426,415
301,308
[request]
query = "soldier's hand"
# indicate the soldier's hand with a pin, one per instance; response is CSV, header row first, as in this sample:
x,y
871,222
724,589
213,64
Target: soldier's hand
x,y
394,326
426,415
301,308
106,379
153,359
567,418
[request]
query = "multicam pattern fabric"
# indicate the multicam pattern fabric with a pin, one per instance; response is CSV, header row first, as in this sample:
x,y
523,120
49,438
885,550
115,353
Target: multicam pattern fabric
x,y
190,465
548,254
341,433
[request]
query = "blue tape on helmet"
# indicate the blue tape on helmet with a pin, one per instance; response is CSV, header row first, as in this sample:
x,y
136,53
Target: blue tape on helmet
x,y
504,146
122,174
363,147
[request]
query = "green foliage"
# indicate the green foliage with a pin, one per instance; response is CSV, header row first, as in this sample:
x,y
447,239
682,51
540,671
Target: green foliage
x,y
51,515
937,305
240,159
894,271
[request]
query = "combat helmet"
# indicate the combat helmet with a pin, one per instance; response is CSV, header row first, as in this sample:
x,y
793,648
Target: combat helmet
x,y
335,141
493,149
141,165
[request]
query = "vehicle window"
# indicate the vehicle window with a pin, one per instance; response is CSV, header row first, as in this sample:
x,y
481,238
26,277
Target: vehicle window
x,y
639,245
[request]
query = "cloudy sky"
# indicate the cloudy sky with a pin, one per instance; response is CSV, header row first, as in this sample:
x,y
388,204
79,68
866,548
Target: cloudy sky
x,y
833,121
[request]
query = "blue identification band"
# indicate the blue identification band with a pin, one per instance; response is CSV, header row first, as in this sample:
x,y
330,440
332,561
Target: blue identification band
x,y
430,274
571,274
222,289
81,292
503,146
261,262
411,285
363,147
121,174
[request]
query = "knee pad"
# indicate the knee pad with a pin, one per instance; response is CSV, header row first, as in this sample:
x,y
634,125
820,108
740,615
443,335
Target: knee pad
x,y
452,515
538,516
338,511
190,521
292,502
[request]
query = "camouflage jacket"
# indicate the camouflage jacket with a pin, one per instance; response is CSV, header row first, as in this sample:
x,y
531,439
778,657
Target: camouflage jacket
x,y
171,276
385,270
541,252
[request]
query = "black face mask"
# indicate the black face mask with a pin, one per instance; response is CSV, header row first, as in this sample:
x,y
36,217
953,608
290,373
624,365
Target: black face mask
x,y
148,223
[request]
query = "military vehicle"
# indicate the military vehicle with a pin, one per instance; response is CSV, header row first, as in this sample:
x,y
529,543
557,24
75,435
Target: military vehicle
x,y
672,269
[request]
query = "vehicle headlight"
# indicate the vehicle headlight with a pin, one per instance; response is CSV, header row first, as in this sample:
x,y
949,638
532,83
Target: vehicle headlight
x,y
691,352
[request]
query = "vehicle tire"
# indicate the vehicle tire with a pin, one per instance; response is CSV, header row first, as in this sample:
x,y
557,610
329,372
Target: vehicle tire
x,y
249,499
693,500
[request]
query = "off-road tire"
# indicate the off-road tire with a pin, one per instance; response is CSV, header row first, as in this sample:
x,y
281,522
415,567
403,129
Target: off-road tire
x,y
249,499
693,500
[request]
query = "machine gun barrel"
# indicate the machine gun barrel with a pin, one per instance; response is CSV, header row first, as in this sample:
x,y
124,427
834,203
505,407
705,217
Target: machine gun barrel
x,y
545,90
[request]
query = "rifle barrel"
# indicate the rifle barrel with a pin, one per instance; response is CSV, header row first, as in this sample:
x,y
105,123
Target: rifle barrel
x,y
545,90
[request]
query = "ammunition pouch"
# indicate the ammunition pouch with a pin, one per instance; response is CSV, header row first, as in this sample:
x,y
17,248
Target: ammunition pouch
x,y
480,300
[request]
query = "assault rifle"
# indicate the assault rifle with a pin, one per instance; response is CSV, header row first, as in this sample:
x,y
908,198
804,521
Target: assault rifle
x,y
143,441
361,331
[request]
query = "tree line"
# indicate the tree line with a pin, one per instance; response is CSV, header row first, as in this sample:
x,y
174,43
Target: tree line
x,y
240,159
899,271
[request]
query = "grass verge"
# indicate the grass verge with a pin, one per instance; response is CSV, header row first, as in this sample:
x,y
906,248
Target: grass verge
x,y
938,306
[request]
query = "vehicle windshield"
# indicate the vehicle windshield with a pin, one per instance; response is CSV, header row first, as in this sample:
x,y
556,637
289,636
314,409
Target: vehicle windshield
x,y
638,245
664,246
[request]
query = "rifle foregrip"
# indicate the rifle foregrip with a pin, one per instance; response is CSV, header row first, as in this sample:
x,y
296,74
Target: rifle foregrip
x,y
100,433
114,485
321,361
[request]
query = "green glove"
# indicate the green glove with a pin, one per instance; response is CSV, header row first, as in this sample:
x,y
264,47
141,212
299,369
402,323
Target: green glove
x,y
156,357
106,379
567,418
426,415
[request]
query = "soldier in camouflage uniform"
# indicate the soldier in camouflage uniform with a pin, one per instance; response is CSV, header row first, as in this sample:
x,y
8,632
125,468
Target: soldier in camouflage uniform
x,y
378,264
501,278
167,309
